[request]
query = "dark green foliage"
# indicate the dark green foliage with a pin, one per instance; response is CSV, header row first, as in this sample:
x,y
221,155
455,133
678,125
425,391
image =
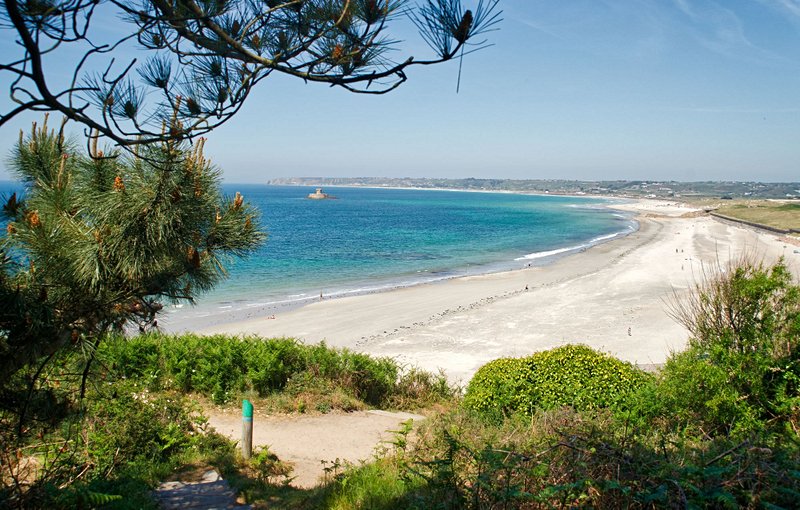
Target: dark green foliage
x,y
741,373
101,243
223,367
562,459
111,452
572,375
137,424
98,243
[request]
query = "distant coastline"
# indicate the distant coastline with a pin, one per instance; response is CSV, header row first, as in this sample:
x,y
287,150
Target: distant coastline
x,y
673,190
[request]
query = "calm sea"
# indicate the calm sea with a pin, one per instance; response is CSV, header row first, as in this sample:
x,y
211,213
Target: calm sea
x,y
368,240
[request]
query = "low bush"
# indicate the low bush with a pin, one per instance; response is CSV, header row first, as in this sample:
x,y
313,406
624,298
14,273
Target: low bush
x,y
501,387
566,459
110,451
741,373
225,367
572,375
380,485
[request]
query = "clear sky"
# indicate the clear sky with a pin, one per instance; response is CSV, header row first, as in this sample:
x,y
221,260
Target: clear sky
x,y
576,89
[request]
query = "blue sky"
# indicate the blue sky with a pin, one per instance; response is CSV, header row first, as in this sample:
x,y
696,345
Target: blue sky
x,y
576,89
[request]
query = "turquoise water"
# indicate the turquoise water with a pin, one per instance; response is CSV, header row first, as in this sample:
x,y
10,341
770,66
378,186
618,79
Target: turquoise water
x,y
369,240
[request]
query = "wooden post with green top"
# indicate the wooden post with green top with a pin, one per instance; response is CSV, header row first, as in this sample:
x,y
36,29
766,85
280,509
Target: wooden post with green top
x,y
247,429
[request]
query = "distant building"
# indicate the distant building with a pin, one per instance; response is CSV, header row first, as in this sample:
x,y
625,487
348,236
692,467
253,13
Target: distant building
x,y
319,195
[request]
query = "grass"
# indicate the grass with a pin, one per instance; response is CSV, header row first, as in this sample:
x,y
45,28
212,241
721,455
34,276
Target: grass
x,y
784,215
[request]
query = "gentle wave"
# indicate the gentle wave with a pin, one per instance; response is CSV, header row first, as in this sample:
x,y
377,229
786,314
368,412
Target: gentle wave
x,y
550,253
264,306
577,247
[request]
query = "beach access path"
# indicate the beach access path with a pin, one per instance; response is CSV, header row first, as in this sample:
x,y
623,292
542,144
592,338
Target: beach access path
x,y
613,297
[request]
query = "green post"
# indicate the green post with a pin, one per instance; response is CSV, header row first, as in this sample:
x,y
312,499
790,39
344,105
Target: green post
x,y
247,429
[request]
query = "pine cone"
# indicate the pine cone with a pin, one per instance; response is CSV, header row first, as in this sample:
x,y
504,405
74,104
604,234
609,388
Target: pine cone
x,y
462,32
33,219
194,257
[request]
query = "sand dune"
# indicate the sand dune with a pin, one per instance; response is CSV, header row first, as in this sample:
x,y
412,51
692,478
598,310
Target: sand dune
x,y
613,297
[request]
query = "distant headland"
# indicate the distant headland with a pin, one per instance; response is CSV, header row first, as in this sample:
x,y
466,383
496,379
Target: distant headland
x,y
623,188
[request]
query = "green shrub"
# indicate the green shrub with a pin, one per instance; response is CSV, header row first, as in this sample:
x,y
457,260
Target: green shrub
x,y
139,357
501,387
223,368
568,459
380,485
271,363
578,376
111,452
572,375
136,425
421,388
373,379
741,373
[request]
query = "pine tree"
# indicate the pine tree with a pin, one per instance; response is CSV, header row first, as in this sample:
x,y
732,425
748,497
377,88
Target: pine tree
x,y
100,241
203,57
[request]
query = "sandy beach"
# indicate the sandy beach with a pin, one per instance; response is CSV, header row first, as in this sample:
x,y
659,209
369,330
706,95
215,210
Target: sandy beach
x,y
613,297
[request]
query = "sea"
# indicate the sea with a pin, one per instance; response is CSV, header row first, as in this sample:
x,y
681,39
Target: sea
x,y
368,240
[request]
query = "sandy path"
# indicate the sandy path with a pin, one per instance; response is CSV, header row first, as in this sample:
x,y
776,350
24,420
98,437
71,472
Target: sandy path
x,y
310,443
593,297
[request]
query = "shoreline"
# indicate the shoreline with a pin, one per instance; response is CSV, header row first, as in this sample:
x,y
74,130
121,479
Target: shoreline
x,y
611,297
218,314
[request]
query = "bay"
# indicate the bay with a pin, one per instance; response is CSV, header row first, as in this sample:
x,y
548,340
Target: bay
x,y
368,240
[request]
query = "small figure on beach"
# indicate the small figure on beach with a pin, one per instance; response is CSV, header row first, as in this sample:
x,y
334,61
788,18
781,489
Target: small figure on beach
x,y
629,331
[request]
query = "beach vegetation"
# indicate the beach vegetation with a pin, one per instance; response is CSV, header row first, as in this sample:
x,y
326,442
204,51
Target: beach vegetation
x,y
141,417
741,372
289,375
566,459
108,452
571,375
